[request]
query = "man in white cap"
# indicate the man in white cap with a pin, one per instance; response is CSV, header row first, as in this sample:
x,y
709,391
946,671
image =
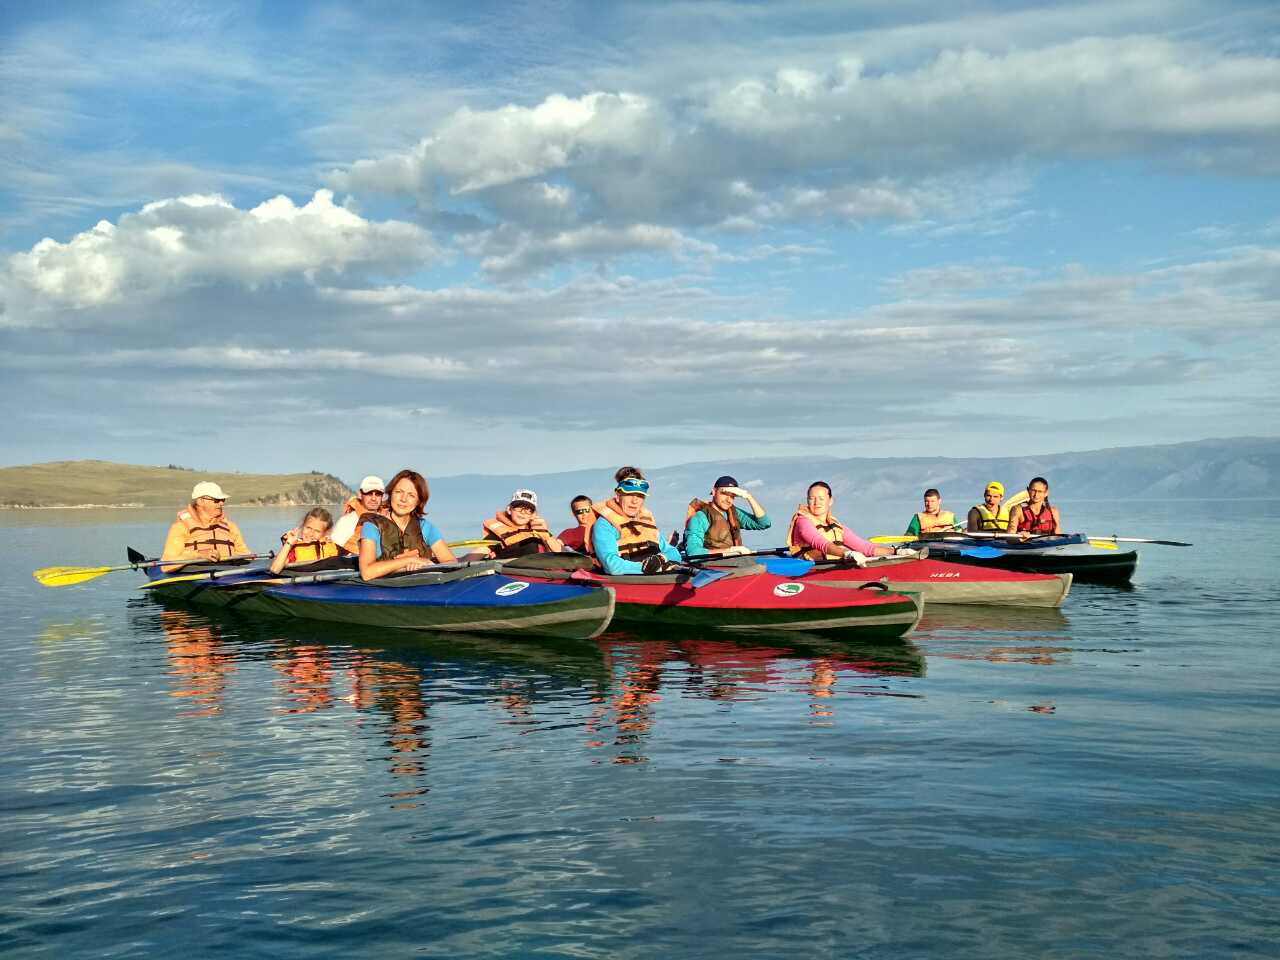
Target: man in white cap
x,y
518,530
371,497
201,532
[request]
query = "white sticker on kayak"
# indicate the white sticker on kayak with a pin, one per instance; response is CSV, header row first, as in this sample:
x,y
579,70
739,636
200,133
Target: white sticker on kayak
x,y
788,589
512,588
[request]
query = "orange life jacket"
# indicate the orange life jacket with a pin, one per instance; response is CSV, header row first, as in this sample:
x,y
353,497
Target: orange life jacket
x,y
217,534
513,539
311,552
353,505
722,531
637,537
945,520
828,526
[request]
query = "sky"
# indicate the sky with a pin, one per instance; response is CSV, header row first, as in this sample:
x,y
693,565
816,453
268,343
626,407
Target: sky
x,y
488,237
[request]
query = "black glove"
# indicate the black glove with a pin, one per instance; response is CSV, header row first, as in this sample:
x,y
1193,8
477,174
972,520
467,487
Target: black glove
x,y
655,564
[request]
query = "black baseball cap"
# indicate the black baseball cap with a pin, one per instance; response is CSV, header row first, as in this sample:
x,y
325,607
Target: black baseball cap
x,y
725,481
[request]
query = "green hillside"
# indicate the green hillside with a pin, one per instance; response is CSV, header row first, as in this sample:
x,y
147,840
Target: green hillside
x,y
75,483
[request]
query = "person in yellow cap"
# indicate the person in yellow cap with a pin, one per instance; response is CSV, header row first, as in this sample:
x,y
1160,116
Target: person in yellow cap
x,y
201,532
991,515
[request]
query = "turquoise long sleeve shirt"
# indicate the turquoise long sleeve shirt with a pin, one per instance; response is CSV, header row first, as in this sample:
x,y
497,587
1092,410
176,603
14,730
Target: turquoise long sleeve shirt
x,y
604,544
695,533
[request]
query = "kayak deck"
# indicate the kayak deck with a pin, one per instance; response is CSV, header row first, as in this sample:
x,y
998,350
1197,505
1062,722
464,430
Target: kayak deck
x,y
1068,553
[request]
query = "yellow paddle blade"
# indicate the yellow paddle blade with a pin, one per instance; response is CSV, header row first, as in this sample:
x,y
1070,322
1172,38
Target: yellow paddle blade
x,y
889,539
1104,544
167,580
469,543
66,576
1018,498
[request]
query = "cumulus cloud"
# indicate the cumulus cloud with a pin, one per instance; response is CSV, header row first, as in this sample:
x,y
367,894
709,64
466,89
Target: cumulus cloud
x,y
193,240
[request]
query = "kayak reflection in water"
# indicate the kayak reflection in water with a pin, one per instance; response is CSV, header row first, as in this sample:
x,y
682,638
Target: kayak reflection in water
x,y
1037,515
518,530
201,532
405,540
816,534
624,538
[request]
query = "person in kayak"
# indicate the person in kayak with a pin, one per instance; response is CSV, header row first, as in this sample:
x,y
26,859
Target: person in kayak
x,y
201,530
815,533
308,543
1036,517
518,530
716,526
405,540
990,515
624,536
371,497
574,538
932,519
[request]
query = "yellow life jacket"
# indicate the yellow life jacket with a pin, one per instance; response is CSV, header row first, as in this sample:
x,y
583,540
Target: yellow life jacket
x,y
945,520
828,526
311,552
993,521
217,534
515,539
636,535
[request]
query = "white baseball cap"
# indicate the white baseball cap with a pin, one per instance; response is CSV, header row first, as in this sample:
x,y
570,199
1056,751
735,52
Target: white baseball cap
x,y
525,496
372,483
207,488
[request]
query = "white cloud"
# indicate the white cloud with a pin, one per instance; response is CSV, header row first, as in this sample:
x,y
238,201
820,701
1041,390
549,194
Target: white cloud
x,y
191,240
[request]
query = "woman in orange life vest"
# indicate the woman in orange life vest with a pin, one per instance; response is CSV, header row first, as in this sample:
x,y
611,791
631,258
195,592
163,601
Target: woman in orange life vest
x,y
624,537
406,540
371,497
201,532
308,543
1037,516
518,530
816,534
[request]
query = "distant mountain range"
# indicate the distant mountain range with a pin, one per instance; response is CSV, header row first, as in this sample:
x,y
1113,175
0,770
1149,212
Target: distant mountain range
x,y
1244,467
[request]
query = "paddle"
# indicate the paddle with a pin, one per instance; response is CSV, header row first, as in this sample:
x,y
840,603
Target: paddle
x,y
67,576
709,557
323,577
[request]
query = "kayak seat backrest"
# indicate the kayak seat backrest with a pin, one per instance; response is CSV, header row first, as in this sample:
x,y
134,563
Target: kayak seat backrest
x,y
543,562
442,574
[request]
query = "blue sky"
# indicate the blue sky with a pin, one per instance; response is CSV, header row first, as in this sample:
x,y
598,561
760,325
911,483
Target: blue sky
x,y
562,235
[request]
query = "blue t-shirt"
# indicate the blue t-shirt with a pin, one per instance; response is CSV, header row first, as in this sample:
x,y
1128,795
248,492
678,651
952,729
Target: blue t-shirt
x,y
430,534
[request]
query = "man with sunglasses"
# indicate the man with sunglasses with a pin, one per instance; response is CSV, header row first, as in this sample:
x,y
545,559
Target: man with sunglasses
x,y
624,537
575,537
201,532
371,498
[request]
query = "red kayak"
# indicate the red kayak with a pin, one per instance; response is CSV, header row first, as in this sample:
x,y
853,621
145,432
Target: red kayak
x,y
746,599
936,580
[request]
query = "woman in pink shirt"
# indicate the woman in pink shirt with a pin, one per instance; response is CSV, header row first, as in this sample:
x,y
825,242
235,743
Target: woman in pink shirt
x,y
816,534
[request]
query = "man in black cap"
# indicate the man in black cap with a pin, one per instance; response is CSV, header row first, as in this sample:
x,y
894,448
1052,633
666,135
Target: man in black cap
x,y
716,526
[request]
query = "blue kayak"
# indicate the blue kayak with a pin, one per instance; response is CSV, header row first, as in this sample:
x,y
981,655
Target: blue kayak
x,y
1059,553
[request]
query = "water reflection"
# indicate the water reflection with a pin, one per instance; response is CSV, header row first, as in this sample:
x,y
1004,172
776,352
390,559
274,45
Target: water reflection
x,y
200,663
997,634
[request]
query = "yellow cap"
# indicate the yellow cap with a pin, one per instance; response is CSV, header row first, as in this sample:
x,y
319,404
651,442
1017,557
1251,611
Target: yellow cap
x,y
997,486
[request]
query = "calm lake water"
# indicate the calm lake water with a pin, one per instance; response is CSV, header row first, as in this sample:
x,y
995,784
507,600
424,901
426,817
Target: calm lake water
x,y
1102,780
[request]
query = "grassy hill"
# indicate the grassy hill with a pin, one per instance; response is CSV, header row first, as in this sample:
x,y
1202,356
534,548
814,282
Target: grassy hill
x,y
76,483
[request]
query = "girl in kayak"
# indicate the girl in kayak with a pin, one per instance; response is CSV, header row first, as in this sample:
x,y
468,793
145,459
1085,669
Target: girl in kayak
x,y
518,530
406,540
308,542
624,537
1037,516
816,534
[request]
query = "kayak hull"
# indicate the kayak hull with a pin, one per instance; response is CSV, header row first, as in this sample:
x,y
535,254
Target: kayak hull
x,y
751,602
1071,554
950,583
485,603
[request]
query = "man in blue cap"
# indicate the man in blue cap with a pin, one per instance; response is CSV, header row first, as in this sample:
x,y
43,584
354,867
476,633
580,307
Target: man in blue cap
x,y
716,526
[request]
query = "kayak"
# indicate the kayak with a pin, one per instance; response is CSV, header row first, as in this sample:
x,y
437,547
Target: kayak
x,y
463,598
746,600
1063,553
936,581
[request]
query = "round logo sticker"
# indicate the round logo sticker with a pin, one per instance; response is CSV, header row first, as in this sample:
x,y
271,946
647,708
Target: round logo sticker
x,y
787,589
512,588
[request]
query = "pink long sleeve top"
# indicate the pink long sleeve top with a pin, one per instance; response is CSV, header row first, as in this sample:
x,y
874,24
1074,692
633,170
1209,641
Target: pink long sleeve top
x,y
809,535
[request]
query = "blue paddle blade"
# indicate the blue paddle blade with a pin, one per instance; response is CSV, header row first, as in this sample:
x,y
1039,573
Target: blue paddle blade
x,y
982,553
703,577
786,566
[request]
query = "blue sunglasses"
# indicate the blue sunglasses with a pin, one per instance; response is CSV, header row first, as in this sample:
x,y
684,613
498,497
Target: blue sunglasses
x,y
634,485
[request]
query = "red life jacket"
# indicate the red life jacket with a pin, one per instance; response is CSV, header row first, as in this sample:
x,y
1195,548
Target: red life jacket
x,y
1033,523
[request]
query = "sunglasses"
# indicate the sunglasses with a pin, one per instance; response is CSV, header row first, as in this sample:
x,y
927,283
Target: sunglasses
x,y
215,499
372,493
581,510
